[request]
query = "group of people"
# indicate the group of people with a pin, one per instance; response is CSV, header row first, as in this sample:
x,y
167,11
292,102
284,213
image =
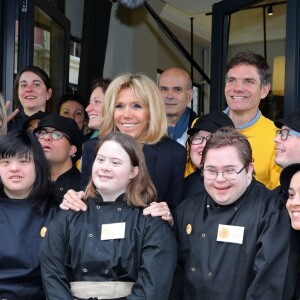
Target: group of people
x,y
129,224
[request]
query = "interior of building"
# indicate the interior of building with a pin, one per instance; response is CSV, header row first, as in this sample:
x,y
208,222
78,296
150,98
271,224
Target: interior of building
x,y
75,41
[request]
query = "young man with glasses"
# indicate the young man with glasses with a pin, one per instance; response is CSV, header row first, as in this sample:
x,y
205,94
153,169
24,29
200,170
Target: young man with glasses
x,y
287,140
234,237
61,140
199,134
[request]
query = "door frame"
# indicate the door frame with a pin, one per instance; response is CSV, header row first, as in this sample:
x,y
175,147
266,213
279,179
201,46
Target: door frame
x,y
219,45
23,11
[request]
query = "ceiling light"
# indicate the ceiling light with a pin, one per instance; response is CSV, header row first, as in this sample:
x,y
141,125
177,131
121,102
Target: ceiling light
x,y
270,10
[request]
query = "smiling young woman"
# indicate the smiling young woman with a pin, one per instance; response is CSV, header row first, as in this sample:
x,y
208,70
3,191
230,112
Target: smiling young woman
x,y
111,251
33,91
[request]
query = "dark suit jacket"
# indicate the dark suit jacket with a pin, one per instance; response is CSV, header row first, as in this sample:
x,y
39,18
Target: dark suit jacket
x,y
165,163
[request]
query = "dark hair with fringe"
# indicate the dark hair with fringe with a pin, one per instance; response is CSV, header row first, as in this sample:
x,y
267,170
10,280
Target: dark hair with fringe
x,y
140,191
19,143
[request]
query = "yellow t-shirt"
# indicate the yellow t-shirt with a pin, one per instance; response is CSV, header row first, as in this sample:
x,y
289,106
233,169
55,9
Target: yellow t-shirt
x,y
261,137
189,167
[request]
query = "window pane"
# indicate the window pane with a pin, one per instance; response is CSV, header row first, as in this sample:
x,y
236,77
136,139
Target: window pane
x,y
253,29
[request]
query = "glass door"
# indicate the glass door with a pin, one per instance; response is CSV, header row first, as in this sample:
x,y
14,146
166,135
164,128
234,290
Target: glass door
x,y
261,28
239,25
42,38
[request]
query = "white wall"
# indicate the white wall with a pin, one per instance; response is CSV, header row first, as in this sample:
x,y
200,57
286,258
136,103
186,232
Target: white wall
x,y
119,46
137,44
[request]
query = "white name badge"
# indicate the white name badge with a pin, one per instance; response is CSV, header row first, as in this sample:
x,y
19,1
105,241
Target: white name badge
x,y
230,234
113,231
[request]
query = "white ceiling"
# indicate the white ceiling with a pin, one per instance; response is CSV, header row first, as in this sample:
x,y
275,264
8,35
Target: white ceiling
x,y
177,15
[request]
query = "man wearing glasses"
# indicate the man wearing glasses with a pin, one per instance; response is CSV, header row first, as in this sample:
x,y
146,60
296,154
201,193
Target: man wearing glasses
x,y
287,141
61,140
234,237
198,136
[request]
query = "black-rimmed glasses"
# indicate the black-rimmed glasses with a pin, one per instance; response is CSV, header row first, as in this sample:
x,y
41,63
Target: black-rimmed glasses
x,y
55,134
285,133
197,140
228,175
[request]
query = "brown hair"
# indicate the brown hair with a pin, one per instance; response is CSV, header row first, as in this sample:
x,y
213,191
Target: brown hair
x,y
140,191
252,59
228,136
42,74
100,82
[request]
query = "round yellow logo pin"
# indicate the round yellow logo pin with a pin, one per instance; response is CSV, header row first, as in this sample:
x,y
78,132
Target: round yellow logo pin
x,y
43,231
188,229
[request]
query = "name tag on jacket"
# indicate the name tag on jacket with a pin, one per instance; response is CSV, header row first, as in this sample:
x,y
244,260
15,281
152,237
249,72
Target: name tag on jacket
x,y
113,231
230,234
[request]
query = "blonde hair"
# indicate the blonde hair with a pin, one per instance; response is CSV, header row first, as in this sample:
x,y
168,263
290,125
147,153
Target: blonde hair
x,y
146,91
140,191
3,116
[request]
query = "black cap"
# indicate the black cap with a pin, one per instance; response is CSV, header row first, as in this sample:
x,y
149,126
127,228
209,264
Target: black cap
x,y
67,126
211,122
292,121
286,175
37,116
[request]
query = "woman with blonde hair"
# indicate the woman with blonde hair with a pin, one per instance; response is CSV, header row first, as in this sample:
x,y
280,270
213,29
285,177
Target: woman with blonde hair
x,y
145,91
111,251
133,105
